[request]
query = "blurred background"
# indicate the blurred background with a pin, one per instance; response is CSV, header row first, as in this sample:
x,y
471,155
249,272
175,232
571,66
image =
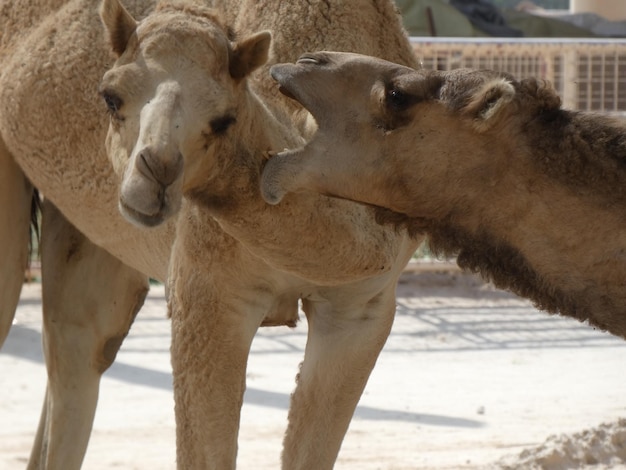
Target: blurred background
x,y
578,45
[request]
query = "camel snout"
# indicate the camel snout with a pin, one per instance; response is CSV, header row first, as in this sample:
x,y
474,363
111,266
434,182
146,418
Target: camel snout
x,y
163,171
149,193
279,72
283,74
141,200
271,181
283,173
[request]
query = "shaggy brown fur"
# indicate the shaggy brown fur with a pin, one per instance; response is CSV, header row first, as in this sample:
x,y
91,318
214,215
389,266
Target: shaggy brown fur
x,y
498,262
584,152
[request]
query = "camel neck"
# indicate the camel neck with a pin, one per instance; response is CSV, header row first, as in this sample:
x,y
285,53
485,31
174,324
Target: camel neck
x,y
562,163
554,229
583,152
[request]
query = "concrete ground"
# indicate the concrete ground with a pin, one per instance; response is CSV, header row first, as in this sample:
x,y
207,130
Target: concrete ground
x,y
469,375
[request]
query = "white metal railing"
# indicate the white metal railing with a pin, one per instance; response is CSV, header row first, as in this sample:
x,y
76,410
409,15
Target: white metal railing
x,y
588,74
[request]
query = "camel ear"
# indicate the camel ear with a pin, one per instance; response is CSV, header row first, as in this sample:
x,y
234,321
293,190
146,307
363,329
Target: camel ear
x,y
488,102
249,54
120,25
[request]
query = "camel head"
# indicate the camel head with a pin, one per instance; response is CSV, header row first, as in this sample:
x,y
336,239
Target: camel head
x,y
386,131
172,96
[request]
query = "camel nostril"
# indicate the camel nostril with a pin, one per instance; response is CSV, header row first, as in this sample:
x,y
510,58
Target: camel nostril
x,y
145,165
157,168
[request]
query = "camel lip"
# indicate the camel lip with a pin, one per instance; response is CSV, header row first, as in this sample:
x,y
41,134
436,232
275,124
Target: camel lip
x,y
287,93
139,218
284,75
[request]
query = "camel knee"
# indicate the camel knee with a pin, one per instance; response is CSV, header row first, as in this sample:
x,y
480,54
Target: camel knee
x,y
108,351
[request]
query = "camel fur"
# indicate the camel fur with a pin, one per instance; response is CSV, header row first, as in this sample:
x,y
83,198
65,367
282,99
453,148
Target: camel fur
x,y
95,264
492,169
203,164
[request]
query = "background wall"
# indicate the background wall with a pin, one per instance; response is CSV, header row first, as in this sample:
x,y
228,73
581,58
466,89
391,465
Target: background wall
x,y
614,10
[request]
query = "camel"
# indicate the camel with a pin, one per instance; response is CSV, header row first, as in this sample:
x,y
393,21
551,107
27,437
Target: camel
x,y
96,265
189,142
492,169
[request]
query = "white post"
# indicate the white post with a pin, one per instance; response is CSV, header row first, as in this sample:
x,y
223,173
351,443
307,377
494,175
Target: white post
x,y
569,93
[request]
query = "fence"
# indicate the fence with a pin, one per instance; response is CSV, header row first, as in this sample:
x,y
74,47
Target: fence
x,y
589,75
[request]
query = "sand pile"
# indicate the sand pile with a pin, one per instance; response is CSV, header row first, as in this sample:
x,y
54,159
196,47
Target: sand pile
x,y
603,447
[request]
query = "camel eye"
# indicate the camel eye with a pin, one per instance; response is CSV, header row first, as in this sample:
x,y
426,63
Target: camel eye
x,y
396,109
113,103
221,124
310,60
398,99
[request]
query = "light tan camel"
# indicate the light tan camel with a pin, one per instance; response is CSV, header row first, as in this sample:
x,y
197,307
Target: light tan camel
x,y
189,134
528,194
95,264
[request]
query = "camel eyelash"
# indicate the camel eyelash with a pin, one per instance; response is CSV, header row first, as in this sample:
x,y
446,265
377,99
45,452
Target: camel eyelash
x,y
113,103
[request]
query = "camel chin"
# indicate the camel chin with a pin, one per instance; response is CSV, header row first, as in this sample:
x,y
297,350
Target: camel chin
x,y
147,204
140,219
277,175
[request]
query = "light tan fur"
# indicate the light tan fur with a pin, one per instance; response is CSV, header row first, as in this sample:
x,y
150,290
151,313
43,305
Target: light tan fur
x,y
195,137
493,170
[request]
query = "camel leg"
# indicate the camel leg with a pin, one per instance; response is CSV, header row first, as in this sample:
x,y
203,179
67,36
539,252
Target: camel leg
x,y
342,347
211,339
15,198
89,300
209,365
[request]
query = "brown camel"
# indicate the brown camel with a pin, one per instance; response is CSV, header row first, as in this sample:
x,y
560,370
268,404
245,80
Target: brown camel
x,y
188,136
530,195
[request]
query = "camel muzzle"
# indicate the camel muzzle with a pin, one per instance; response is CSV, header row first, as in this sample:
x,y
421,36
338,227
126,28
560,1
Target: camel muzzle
x,y
284,74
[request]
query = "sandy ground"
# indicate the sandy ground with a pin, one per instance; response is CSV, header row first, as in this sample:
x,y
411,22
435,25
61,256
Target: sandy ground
x,y
469,379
